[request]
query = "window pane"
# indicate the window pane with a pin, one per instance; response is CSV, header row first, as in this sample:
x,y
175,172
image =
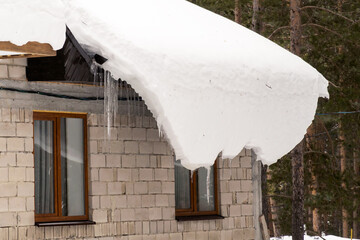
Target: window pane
x,y
72,166
182,187
205,183
44,167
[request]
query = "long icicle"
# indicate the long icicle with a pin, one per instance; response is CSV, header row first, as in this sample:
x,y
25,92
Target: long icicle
x,y
208,173
106,112
115,99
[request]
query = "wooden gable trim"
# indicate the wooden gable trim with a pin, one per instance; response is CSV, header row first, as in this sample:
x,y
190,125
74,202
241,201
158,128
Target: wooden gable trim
x,y
30,49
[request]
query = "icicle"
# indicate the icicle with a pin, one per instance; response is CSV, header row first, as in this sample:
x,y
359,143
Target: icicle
x,y
106,112
160,132
110,104
142,108
106,108
132,101
101,78
115,99
121,93
128,102
94,70
208,173
230,162
136,104
223,167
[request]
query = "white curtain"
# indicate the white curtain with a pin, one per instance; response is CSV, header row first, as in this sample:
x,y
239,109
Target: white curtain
x,y
72,166
44,166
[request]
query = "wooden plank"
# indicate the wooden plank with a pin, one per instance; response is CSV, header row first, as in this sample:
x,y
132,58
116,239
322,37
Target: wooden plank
x,y
33,48
264,228
27,55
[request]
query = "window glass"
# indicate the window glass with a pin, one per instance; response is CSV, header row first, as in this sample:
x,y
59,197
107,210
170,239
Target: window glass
x,y
72,166
196,191
44,167
205,186
182,186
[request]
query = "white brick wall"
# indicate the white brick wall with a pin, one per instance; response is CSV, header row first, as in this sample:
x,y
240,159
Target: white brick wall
x,y
131,190
13,69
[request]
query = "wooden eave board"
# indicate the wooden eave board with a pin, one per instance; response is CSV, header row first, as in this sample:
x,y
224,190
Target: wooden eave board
x,y
30,49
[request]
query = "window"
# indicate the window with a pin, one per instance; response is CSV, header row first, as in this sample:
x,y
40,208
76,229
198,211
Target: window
x,y
197,195
60,155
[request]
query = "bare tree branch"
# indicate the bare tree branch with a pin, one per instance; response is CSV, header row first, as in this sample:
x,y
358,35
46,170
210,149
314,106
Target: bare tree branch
x,y
304,25
279,195
277,30
333,84
329,11
328,135
323,28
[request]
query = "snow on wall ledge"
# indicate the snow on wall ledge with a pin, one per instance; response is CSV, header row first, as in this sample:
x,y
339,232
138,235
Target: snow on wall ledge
x,y
212,85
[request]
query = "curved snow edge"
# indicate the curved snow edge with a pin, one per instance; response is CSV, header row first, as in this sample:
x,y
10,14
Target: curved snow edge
x,y
207,97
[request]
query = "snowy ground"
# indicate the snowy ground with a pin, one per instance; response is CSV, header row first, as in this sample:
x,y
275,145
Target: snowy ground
x,y
306,237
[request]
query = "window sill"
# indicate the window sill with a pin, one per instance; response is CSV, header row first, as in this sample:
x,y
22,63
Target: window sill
x,y
65,223
199,217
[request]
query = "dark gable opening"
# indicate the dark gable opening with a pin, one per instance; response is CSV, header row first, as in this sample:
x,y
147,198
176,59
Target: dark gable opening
x,y
72,63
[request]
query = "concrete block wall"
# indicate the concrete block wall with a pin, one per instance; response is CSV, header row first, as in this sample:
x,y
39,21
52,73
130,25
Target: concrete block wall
x,y
131,186
14,69
131,179
16,169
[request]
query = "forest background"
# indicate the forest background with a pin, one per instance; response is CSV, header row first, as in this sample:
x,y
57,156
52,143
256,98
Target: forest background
x,y
330,42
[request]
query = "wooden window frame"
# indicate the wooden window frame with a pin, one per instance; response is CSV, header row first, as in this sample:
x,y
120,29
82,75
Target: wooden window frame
x,y
55,117
193,211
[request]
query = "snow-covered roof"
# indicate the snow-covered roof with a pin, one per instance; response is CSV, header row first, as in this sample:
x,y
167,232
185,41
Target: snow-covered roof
x,y
36,20
212,85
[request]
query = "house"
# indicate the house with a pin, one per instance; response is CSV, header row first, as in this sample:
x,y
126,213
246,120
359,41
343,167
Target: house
x,y
81,156
62,176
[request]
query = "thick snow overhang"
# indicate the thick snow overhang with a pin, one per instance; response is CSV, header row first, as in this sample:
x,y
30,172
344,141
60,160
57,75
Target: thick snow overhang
x,y
212,85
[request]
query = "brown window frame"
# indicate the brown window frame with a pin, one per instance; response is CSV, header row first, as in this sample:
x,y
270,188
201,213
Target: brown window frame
x,y
193,210
55,117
